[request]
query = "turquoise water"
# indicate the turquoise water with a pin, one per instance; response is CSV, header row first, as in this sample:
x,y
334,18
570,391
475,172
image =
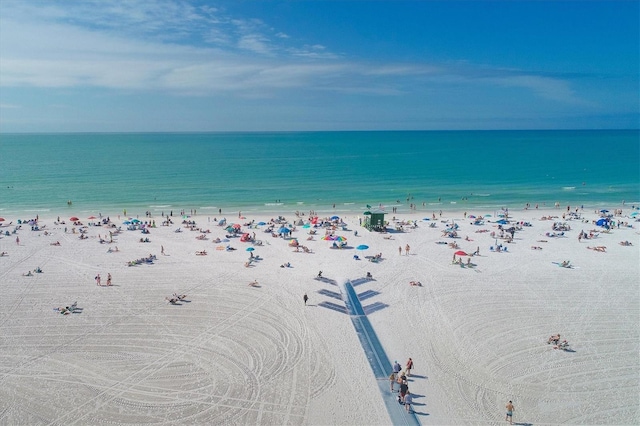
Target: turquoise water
x,y
283,172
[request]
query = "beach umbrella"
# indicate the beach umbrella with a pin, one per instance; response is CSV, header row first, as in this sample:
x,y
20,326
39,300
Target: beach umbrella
x,y
284,230
73,219
471,216
487,215
126,222
250,249
335,217
362,247
461,253
340,238
307,226
604,211
237,226
327,238
135,220
92,217
632,215
261,223
1,219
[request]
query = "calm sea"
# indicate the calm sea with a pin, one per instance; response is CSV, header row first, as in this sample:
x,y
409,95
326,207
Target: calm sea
x,y
284,172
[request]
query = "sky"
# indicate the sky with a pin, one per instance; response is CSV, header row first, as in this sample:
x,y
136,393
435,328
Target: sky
x,y
302,65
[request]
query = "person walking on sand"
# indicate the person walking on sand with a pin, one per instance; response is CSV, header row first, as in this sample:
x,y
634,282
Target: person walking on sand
x,y
18,240
396,367
406,250
408,399
409,366
98,279
400,250
162,250
509,417
305,298
392,380
108,279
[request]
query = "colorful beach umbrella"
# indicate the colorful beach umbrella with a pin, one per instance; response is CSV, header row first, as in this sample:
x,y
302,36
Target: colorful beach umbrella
x,y
73,219
461,253
236,226
339,238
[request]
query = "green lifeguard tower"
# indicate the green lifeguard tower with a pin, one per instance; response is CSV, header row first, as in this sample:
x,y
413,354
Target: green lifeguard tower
x,y
374,220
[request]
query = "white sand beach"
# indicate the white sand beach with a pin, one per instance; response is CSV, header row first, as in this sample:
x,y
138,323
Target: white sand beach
x,y
232,353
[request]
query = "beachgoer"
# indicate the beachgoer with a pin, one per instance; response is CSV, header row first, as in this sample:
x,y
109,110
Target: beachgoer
x,y
392,380
406,250
108,279
509,417
408,399
18,240
404,388
161,249
396,367
98,279
400,250
409,366
305,298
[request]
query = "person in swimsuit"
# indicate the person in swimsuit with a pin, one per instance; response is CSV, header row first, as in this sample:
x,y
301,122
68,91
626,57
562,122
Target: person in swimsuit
x,y
509,417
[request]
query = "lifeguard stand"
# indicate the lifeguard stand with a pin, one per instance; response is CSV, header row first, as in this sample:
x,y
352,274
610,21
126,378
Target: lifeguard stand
x,y
374,220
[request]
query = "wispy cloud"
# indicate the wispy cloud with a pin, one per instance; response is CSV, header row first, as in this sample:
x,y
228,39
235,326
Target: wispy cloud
x,y
185,49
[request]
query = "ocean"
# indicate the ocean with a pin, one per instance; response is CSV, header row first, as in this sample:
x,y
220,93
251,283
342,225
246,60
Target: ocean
x,y
283,172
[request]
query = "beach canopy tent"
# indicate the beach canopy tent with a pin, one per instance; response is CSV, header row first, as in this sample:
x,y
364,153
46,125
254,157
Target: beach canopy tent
x,y
374,220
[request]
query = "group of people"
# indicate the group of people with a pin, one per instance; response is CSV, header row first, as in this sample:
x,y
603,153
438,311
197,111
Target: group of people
x,y
99,280
399,376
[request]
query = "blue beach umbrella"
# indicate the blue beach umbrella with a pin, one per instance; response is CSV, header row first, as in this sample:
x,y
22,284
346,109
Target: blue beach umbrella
x,y
362,247
284,230
250,249
335,217
261,223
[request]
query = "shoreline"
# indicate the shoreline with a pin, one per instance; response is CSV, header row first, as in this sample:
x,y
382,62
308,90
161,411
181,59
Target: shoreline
x,y
246,354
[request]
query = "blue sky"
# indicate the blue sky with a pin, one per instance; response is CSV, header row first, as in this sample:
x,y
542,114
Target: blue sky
x,y
251,65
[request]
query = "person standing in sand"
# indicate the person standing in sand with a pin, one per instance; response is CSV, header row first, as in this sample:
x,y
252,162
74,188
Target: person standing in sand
x,y
305,298
109,279
409,366
406,250
18,240
408,399
392,380
400,250
98,279
509,417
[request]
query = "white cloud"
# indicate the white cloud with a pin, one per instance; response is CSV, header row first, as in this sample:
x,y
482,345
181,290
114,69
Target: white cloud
x,y
173,46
